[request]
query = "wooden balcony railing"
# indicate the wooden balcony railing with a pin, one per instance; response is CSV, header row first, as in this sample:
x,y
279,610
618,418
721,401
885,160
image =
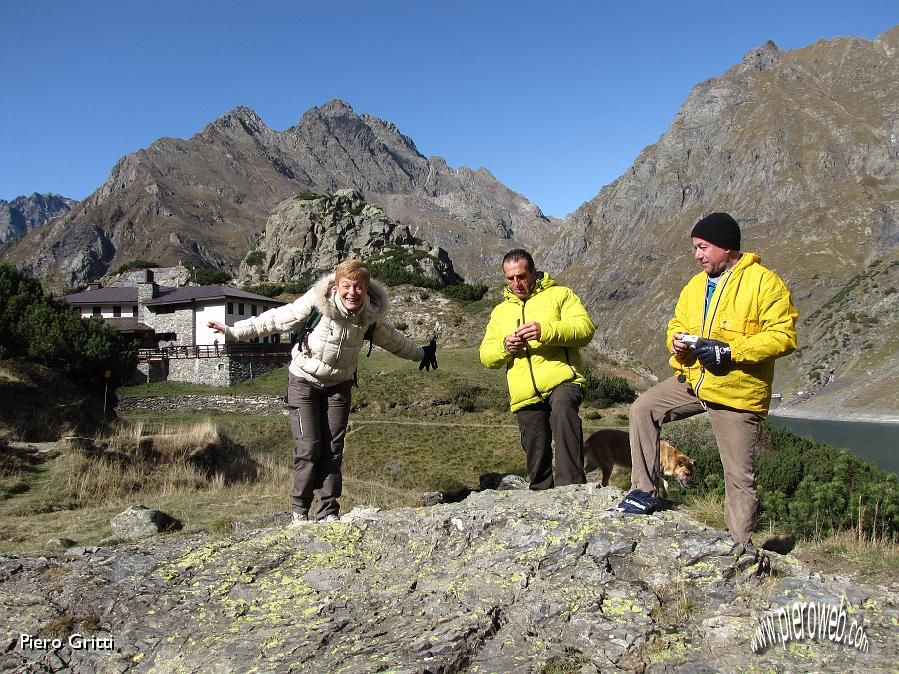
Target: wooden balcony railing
x,y
228,349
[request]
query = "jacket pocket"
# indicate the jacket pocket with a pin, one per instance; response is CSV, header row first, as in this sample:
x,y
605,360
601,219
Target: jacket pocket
x,y
729,328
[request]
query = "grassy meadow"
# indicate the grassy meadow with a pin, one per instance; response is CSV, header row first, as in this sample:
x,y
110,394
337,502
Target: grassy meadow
x,y
410,432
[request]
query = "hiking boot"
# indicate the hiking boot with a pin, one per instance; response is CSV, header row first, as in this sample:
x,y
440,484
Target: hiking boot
x,y
638,502
299,520
327,519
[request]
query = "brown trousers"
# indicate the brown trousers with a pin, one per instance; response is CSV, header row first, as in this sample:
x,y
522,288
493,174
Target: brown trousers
x,y
557,420
737,435
318,420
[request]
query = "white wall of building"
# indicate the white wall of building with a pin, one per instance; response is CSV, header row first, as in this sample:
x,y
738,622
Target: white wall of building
x,y
206,313
108,311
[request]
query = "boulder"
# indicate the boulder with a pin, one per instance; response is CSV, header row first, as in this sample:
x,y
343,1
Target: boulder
x,y
140,521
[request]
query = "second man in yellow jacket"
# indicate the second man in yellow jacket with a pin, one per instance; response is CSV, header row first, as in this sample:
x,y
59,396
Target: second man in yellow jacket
x,y
536,333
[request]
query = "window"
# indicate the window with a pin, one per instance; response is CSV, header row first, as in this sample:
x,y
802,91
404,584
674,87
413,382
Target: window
x,y
276,339
240,308
230,307
255,340
252,310
117,312
134,312
96,311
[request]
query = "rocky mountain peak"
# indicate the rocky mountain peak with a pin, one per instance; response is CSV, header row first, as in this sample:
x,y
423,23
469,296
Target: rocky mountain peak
x,y
309,234
336,106
763,58
23,214
240,117
889,38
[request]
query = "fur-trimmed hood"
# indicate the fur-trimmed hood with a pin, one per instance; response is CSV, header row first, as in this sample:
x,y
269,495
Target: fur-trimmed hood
x,y
329,352
373,309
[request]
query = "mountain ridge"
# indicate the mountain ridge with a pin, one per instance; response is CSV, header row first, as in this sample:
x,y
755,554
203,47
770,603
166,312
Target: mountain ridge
x,y
206,198
25,213
800,147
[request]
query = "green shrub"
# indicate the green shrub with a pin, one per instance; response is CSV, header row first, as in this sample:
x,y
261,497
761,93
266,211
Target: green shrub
x,y
206,276
274,289
395,266
466,397
805,486
265,289
39,329
605,390
137,264
309,196
255,258
465,292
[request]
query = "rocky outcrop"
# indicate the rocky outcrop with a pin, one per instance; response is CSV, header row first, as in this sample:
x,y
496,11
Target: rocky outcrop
x,y
22,214
309,234
206,199
801,147
503,581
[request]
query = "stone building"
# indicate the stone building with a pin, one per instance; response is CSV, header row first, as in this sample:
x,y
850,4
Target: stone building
x,y
170,325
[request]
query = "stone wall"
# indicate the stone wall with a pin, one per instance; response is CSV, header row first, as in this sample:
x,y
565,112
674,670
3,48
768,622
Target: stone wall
x,y
269,406
224,371
180,322
247,367
146,372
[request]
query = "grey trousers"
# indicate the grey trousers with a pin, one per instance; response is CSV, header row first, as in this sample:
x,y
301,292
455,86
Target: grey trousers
x,y
318,420
557,420
737,435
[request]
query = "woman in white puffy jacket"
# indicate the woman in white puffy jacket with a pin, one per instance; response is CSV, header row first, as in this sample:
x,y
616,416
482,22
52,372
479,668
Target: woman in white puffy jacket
x,y
320,377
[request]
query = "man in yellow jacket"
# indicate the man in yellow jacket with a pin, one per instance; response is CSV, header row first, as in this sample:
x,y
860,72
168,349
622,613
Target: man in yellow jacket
x,y
536,333
731,322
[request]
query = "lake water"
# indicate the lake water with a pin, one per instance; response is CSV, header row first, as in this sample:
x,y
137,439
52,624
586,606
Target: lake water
x,y
877,443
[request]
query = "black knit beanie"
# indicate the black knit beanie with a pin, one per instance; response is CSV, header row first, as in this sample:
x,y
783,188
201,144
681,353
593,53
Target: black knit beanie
x,y
720,229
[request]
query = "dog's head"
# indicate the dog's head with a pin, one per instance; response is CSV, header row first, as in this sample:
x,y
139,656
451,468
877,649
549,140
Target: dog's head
x,y
678,465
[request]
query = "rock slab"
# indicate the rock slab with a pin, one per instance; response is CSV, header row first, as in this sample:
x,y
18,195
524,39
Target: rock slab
x,y
504,581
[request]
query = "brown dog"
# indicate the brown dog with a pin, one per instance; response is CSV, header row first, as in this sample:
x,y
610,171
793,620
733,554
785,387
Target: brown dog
x,y
610,446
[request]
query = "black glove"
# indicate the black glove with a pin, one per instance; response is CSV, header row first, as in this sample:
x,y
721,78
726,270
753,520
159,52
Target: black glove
x,y
712,353
430,359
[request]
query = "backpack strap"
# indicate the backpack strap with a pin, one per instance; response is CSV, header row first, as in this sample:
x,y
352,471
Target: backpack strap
x,y
313,319
368,336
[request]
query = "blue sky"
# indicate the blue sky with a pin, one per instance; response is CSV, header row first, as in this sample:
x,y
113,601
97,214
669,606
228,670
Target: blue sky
x,y
556,99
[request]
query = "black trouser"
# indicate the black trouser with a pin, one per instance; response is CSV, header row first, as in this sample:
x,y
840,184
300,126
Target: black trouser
x,y
318,420
556,419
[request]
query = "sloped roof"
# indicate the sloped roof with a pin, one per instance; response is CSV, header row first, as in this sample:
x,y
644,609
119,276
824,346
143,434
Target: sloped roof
x,y
128,324
111,295
167,295
189,294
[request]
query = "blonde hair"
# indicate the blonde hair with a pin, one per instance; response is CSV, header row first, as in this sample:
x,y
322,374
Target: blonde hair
x,y
354,270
